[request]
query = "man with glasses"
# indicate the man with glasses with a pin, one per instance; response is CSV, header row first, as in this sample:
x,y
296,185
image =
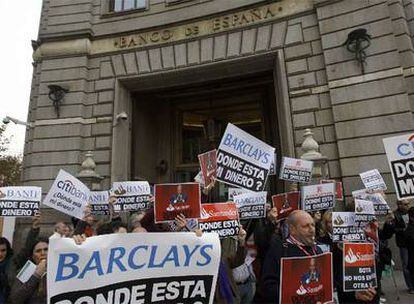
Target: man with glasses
x,y
401,222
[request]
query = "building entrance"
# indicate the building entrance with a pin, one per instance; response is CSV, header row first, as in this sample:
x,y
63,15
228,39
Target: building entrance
x,y
171,127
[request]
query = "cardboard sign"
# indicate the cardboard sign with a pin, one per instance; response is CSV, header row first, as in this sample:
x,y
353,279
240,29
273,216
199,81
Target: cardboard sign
x,y
26,272
243,160
364,212
134,268
296,170
251,205
132,196
285,203
99,202
236,191
380,205
344,229
372,180
20,201
318,197
359,266
339,191
400,154
68,195
199,179
306,279
221,218
208,165
174,199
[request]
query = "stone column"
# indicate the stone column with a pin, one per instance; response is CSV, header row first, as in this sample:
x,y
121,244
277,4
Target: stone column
x,y
88,175
310,148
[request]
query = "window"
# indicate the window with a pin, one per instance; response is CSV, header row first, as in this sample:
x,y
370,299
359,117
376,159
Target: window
x,y
126,5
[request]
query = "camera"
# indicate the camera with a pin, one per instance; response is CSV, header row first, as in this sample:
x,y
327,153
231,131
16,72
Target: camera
x,y
121,116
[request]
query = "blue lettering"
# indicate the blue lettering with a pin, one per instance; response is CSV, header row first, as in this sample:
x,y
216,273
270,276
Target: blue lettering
x,y
227,140
189,254
401,152
172,255
205,254
151,263
240,146
266,158
65,263
93,263
114,258
131,263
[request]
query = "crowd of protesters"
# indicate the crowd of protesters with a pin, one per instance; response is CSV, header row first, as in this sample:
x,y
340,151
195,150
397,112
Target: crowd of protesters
x,y
301,234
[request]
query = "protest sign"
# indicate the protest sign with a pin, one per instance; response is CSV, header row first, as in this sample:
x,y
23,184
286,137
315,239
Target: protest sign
x,y
199,179
132,196
134,268
400,154
26,272
296,170
251,205
339,191
243,160
306,279
380,205
318,197
364,212
68,195
174,199
359,266
221,218
372,180
208,165
20,201
285,203
273,167
344,229
236,191
99,202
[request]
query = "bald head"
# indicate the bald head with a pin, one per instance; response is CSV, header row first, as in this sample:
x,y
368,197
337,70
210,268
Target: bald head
x,y
302,227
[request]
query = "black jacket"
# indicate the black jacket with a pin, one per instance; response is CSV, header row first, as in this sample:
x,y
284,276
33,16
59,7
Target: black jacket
x,y
399,228
271,266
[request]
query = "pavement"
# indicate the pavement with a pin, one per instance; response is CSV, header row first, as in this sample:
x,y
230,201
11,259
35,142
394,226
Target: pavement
x,y
392,293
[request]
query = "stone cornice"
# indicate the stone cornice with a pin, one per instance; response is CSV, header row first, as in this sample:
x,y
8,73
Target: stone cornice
x,y
209,26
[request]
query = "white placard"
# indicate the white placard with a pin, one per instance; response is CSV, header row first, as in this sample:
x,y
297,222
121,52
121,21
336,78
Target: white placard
x,y
380,204
236,191
99,202
20,201
296,170
243,160
132,196
147,267
318,197
251,205
26,272
373,180
344,229
400,154
68,195
364,212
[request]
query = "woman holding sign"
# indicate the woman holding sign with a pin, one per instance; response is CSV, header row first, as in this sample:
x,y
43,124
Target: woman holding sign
x,y
30,284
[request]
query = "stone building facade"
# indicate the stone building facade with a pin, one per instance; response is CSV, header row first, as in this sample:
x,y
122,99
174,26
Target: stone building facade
x,y
152,61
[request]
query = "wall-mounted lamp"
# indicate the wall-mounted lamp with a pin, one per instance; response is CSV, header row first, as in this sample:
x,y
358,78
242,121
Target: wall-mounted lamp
x,y
358,40
56,94
9,119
